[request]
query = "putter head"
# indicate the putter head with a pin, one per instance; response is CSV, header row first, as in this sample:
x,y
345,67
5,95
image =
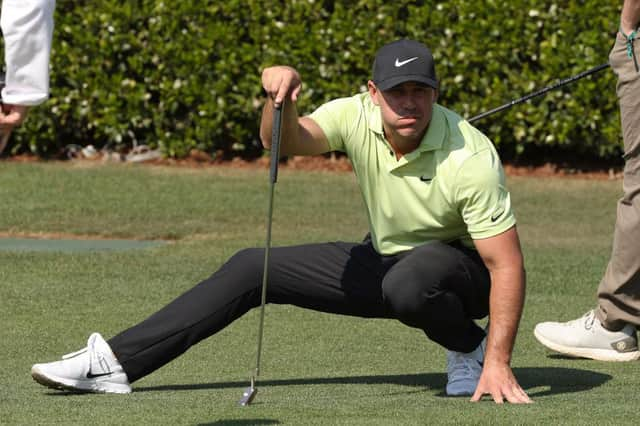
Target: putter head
x,y
248,395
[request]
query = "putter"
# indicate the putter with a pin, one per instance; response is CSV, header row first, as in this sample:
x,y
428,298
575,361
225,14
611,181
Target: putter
x,y
250,393
539,92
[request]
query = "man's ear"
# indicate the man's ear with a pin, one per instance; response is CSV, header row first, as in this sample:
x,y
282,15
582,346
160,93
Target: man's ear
x,y
373,92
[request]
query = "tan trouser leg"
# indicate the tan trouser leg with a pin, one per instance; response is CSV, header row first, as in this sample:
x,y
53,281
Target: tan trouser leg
x,y
619,290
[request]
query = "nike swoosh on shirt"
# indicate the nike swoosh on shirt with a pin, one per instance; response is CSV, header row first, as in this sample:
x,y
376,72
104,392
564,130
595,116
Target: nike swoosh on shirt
x,y
496,216
400,63
426,179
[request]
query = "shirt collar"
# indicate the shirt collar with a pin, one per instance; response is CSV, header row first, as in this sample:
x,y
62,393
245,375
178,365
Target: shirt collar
x,y
431,141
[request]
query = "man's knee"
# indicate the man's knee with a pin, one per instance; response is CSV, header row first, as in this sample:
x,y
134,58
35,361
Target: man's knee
x,y
436,277
246,264
415,284
405,300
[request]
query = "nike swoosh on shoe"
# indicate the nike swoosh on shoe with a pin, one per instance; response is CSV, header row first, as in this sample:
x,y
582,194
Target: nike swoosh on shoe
x,y
90,375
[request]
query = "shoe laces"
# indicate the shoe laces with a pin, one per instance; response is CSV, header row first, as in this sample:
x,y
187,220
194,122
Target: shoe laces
x,y
589,319
97,358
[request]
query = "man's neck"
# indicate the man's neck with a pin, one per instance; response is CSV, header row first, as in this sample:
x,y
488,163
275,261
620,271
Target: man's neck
x,y
402,146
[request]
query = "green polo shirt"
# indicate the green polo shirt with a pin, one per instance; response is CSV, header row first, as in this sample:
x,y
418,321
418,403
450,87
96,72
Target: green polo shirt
x,y
452,187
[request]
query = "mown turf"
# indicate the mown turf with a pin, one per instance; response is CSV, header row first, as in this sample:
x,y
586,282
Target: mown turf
x,y
316,368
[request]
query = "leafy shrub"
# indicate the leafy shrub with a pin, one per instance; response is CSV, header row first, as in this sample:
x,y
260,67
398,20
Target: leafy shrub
x,y
186,74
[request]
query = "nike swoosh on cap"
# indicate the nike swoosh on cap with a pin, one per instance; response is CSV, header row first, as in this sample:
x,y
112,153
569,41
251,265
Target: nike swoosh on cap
x,y
400,63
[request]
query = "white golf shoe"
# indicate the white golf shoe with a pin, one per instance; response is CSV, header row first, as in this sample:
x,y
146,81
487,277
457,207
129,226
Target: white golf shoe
x,y
585,337
464,370
92,369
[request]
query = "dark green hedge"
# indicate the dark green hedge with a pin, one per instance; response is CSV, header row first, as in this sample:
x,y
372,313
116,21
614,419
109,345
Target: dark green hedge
x,y
186,74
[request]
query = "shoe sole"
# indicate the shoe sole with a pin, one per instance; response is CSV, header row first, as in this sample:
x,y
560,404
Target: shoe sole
x,y
460,393
590,353
76,386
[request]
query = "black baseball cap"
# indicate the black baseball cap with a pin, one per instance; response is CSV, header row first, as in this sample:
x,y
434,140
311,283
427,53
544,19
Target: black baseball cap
x,y
401,61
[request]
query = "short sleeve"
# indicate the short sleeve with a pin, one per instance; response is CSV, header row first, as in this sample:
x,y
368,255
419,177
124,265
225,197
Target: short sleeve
x,y
482,196
336,119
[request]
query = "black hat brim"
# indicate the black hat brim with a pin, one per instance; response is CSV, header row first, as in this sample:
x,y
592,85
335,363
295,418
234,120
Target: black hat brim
x,y
394,81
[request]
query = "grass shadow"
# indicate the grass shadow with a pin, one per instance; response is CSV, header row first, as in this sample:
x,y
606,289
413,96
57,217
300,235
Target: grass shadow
x,y
433,380
558,380
553,380
567,357
241,422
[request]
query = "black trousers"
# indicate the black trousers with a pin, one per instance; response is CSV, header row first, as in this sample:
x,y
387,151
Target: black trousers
x,y
439,288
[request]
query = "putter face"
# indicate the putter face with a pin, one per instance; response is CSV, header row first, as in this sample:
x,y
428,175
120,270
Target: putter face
x,y
248,395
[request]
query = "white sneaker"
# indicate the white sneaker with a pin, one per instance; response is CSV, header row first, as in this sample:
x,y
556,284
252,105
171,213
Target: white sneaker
x,y
92,369
585,337
464,370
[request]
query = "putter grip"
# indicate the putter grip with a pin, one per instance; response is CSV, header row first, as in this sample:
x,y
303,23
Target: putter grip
x,y
275,142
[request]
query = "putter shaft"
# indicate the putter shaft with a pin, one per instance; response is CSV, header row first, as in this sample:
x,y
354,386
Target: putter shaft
x,y
250,392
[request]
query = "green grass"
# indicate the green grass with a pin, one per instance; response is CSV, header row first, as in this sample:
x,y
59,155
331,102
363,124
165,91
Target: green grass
x,y
316,368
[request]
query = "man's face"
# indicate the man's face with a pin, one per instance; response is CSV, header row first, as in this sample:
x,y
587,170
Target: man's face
x,y
406,108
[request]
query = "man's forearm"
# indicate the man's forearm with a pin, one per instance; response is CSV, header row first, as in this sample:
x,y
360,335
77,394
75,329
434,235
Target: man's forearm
x,y
266,123
505,309
630,17
289,125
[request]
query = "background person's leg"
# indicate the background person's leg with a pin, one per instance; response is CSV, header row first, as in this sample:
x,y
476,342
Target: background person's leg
x,y
619,290
608,333
440,289
340,278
